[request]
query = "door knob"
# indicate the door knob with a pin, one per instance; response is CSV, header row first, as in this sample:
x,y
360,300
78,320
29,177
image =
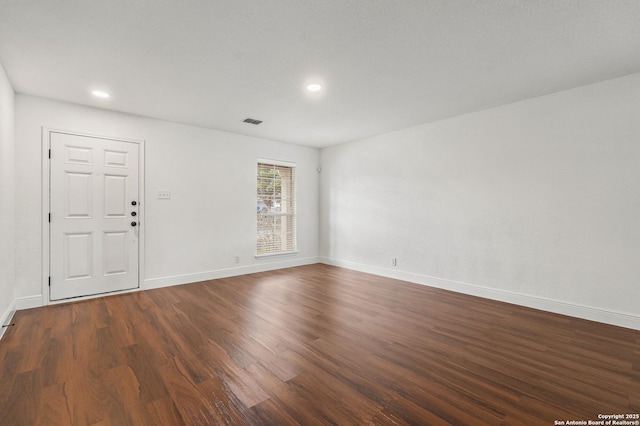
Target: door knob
x,y
134,214
134,203
134,223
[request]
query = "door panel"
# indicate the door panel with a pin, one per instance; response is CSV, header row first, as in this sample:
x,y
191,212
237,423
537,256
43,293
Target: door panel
x,y
115,253
78,256
115,196
93,245
115,159
77,195
77,155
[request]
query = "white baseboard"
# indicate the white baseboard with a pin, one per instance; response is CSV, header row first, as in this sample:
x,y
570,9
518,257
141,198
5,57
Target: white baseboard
x,y
6,317
544,304
152,283
37,301
28,302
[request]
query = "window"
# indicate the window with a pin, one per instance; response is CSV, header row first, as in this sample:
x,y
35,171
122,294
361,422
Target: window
x,y
276,208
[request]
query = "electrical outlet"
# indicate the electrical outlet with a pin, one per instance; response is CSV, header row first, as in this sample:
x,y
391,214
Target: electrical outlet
x,y
237,259
164,195
394,262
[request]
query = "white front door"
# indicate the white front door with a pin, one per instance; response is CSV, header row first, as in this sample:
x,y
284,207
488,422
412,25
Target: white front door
x,y
94,215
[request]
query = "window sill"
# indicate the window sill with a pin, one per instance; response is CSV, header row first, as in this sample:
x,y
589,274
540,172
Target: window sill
x,y
276,254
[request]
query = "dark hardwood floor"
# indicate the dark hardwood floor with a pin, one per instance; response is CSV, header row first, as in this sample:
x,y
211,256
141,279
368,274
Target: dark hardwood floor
x,y
311,345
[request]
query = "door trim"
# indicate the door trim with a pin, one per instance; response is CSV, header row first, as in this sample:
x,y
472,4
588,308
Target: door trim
x,y
46,178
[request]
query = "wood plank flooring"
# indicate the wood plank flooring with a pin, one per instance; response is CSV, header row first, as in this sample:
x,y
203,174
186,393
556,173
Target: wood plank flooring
x,y
312,345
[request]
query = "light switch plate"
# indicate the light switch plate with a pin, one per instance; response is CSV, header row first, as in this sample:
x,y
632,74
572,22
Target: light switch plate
x,y
164,195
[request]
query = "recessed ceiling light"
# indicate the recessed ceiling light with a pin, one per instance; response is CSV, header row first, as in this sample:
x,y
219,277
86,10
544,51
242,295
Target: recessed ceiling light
x,y
314,87
100,94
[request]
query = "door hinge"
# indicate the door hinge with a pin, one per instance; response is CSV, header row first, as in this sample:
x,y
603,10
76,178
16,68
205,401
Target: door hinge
x,y
49,154
49,281
49,217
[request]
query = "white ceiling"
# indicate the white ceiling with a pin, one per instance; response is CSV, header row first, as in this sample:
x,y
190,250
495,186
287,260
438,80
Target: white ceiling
x,y
385,64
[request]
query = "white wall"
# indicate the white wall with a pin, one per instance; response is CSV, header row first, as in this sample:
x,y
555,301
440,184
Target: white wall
x,y
210,218
7,200
536,203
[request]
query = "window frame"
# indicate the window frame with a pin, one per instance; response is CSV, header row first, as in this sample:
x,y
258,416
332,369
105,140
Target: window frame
x,y
292,244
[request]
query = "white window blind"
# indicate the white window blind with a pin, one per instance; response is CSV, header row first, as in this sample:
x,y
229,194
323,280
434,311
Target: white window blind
x,y
276,208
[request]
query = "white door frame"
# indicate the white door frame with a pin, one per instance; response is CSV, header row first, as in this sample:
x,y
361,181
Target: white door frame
x,y
46,177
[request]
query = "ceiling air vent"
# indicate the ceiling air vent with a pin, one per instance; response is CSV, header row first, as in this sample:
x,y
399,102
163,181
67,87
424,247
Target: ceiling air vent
x,y
252,121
